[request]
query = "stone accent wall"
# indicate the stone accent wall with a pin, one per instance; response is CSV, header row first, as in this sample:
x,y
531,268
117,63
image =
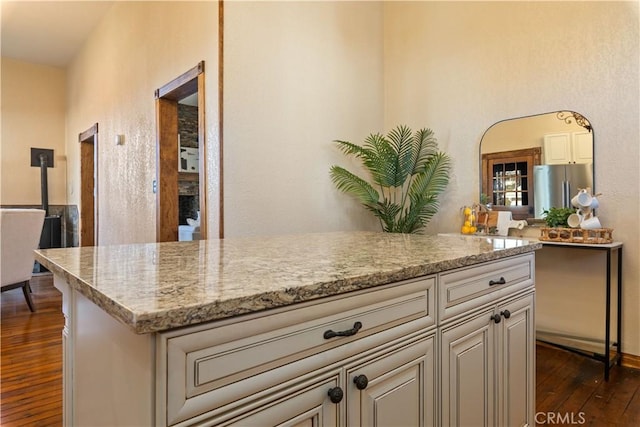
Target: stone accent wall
x,y
188,191
188,188
188,125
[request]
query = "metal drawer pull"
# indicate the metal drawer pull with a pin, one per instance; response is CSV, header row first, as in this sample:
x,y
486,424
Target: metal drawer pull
x,y
506,314
496,318
349,332
497,282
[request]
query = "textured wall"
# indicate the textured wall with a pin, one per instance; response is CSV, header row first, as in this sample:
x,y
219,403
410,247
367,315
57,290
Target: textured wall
x,y
459,67
137,48
33,112
297,75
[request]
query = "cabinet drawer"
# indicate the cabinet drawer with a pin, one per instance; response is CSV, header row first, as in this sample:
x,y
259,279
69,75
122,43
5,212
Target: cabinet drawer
x,y
304,404
201,360
465,289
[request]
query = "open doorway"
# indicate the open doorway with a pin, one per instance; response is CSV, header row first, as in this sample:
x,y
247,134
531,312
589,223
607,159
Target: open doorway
x,y
89,186
181,157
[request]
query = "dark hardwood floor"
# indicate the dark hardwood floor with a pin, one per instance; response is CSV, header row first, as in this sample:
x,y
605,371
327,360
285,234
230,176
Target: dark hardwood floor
x,y
31,365
569,387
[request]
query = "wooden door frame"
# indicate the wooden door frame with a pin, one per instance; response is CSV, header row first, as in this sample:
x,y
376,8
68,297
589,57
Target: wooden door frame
x,y
89,186
167,98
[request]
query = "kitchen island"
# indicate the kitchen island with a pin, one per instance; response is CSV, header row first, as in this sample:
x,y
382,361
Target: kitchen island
x,y
278,330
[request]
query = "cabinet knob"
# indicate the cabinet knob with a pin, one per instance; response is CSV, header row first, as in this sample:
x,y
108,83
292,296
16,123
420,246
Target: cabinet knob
x,y
361,382
506,314
335,394
496,318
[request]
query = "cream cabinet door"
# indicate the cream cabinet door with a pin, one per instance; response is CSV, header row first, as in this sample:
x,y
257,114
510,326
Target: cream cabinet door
x,y
394,389
557,149
488,367
582,147
468,375
516,368
564,148
308,406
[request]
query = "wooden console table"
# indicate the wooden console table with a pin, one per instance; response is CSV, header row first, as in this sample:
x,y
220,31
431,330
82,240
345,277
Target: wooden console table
x,y
605,356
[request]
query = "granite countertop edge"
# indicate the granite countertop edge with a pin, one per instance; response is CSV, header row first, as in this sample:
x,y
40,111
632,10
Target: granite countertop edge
x,y
181,316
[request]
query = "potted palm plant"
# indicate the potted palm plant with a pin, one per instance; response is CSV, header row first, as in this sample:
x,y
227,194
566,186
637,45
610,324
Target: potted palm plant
x,y
408,174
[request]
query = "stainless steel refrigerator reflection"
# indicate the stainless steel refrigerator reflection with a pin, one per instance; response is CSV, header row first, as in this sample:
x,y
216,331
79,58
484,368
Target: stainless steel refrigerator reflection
x,y
555,185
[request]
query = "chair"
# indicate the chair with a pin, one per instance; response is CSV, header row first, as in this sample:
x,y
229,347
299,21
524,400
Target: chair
x,y
20,231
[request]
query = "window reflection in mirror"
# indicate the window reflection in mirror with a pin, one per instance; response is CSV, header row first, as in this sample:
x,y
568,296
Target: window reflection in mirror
x,y
530,164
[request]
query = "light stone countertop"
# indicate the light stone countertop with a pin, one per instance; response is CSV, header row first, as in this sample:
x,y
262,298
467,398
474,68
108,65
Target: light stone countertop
x,y
160,286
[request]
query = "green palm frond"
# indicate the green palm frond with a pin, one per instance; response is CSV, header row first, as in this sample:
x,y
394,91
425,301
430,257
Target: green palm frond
x,y
402,143
355,186
418,214
381,165
433,178
424,146
350,148
387,212
409,170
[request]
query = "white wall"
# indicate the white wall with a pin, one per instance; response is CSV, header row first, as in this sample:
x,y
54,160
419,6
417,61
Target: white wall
x,y
297,75
459,67
33,111
137,48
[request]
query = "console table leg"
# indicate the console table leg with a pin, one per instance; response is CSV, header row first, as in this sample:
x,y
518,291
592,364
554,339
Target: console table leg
x,y
619,314
607,332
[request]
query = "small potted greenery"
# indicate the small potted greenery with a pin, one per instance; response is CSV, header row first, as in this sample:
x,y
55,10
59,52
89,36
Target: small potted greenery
x,y
557,217
408,173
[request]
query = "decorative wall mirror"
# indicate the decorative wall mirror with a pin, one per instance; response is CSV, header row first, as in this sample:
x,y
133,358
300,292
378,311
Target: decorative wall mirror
x,y
530,164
